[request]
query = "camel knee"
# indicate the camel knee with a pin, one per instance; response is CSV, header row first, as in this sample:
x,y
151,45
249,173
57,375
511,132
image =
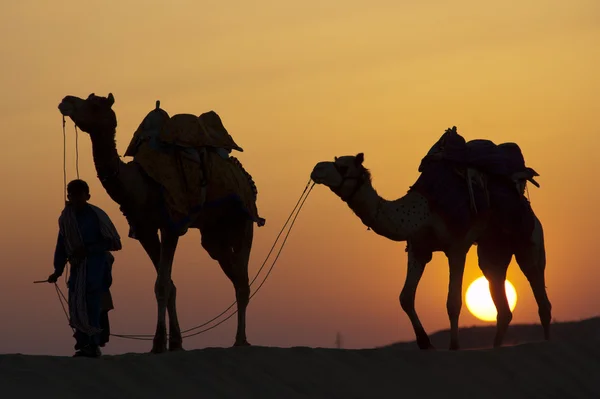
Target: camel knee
x,y
172,303
454,306
242,292
162,291
504,317
545,313
545,319
407,301
172,291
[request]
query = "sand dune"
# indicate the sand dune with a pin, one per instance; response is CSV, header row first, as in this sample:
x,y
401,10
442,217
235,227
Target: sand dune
x,y
482,336
566,368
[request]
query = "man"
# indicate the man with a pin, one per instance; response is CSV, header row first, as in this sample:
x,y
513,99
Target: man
x,y
86,235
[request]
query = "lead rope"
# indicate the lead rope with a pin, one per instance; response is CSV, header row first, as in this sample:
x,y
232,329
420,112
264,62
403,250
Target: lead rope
x,y
77,151
264,279
64,130
293,216
298,207
66,274
147,337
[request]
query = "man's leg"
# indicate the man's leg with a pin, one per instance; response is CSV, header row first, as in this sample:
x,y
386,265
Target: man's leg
x,y
105,326
81,339
93,295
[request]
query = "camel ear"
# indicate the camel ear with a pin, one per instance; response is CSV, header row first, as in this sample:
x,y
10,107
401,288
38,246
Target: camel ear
x,y
111,99
359,159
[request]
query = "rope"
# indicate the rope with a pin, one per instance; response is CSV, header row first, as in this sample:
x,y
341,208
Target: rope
x,y
77,151
268,272
293,216
64,158
147,337
62,297
64,131
300,202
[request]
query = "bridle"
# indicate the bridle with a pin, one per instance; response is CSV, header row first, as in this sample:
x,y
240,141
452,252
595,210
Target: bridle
x,y
360,180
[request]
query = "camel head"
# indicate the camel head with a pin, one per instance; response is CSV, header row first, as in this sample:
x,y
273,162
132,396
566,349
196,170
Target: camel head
x,y
344,176
92,115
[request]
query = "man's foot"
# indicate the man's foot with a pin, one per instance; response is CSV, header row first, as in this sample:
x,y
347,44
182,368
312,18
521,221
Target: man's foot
x,y
88,351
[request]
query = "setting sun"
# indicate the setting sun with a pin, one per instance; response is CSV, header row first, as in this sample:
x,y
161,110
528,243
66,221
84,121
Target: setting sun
x,y
479,301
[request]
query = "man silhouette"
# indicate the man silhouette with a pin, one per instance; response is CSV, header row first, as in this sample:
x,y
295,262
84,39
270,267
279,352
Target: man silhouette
x,y
86,235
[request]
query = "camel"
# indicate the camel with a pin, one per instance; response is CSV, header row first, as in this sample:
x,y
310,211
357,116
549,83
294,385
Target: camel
x,y
226,233
411,218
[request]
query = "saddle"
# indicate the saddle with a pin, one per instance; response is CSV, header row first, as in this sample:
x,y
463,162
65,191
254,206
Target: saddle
x,y
188,156
478,160
182,130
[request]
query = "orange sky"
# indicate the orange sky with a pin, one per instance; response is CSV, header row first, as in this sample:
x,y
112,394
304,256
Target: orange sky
x,y
296,83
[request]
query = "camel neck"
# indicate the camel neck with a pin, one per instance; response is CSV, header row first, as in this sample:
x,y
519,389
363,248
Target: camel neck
x,y
107,161
106,157
390,219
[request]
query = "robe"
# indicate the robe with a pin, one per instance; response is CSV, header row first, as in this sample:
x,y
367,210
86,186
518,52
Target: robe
x,y
96,268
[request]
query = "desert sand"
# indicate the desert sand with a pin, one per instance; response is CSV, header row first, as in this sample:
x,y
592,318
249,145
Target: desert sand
x,y
567,367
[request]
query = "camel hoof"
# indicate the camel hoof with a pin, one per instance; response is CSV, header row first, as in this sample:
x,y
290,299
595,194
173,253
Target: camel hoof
x,y
241,343
454,347
159,348
175,347
424,343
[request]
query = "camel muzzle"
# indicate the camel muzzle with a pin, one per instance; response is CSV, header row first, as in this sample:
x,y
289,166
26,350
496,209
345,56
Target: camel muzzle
x,y
318,174
69,104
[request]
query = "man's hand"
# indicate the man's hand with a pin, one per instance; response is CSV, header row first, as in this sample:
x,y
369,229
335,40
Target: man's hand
x,y
53,278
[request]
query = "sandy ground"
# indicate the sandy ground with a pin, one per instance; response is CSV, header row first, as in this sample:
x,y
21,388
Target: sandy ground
x,y
566,368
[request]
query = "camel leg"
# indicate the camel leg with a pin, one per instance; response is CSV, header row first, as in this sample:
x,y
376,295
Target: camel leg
x,y
454,301
241,257
232,250
175,339
532,262
414,272
151,245
494,259
162,287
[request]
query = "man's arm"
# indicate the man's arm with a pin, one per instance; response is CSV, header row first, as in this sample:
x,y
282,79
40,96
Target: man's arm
x,y
60,256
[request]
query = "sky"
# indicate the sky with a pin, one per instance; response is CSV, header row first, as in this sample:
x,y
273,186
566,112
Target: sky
x,y
296,83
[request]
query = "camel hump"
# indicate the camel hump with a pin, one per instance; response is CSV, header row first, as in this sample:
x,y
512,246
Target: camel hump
x,y
184,130
150,127
206,130
505,159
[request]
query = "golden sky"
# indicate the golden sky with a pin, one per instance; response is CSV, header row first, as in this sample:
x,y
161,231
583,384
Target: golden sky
x,y
296,83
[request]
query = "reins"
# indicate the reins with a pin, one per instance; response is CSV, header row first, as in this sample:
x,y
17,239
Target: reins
x,y
148,337
293,216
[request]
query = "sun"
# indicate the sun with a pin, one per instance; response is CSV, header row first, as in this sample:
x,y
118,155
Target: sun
x,y
479,301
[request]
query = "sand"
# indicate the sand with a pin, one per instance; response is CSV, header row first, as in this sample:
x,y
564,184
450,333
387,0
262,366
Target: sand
x,y
543,370
567,368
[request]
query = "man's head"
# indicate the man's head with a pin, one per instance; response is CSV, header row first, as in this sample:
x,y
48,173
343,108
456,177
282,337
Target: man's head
x,y
78,193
